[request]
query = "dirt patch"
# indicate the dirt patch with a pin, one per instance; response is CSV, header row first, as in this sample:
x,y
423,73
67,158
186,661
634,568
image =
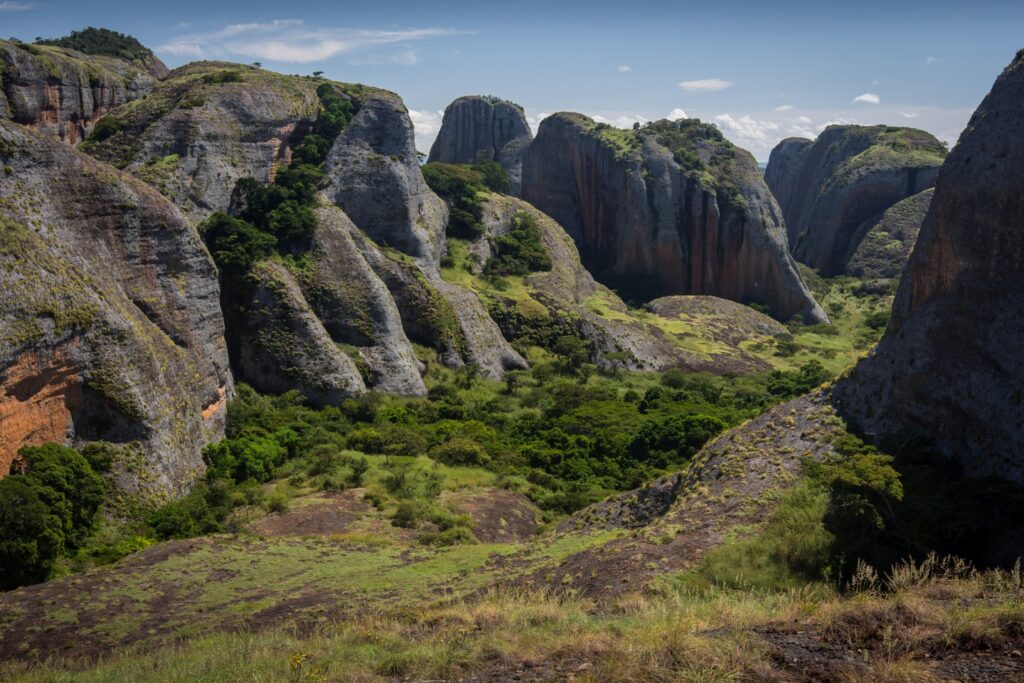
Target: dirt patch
x,y
332,514
501,516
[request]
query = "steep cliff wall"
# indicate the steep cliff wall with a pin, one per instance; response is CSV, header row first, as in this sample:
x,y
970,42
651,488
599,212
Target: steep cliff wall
x,y
670,209
110,327
949,369
849,175
61,92
476,129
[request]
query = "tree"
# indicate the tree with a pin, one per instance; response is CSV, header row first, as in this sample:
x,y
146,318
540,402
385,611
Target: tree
x,y
573,350
65,481
31,536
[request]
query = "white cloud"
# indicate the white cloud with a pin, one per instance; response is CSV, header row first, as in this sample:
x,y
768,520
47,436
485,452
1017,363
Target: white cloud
x,y
426,125
746,129
909,114
930,60
620,121
624,69
677,113
784,107
290,40
803,119
705,85
533,120
15,6
868,98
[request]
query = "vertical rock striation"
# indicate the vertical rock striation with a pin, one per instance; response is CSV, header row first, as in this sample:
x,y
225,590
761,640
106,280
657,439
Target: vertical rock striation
x,y
61,92
476,129
672,208
110,325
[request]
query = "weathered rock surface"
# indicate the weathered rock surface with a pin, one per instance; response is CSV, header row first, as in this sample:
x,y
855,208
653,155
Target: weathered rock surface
x,y
374,175
694,219
207,125
567,298
356,307
63,93
949,369
850,174
110,324
279,344
882,245
476,129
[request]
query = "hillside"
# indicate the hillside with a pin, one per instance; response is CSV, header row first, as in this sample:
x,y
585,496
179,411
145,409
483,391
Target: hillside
x,y
282,400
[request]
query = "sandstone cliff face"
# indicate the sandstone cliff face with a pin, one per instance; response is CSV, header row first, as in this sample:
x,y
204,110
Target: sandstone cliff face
x,y
882,245
110,327
476,129
206,126
640,218
949,368
63,93
849,175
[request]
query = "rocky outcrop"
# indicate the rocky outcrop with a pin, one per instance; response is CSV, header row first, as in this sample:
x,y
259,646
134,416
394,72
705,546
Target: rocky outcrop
x,y
949,369
881,246
849,175
278,343
61,92
476,129
110,327
206,126
672,208
374,175
566,300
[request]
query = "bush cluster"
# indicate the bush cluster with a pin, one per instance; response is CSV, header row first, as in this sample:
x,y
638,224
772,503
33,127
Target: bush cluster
x,y
458,185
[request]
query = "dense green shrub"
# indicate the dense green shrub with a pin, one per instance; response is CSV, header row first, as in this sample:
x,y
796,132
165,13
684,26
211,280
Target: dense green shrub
x,y
101,41
47,507
235,244
519,251
458,185
461,451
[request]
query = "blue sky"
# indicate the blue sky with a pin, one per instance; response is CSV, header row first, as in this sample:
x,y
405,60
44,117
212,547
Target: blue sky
x,y
761,71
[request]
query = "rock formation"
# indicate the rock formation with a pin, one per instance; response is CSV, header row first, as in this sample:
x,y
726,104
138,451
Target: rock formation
x,y
110,327
881,245
375,283
476,129
827,189
672,208
949,369
569,300
207,125
61,92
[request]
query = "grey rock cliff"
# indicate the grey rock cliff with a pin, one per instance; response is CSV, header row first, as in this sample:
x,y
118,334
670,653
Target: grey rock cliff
x,y
63,93
110,325
206,126
374,175
849,175
642,220
949,368
476,129
882,245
